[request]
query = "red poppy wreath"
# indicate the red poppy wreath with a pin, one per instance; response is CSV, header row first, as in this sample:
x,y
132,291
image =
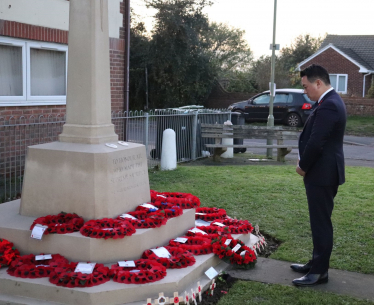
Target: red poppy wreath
x,y
107,228
210,214
143,220
234,252
182,200
180,258
168,212
27,266
197,245
65,275
213,229
61,223
210,236
236,226
8,253
145,271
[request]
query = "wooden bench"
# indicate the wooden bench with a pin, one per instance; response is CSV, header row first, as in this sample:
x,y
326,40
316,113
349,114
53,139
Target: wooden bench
x,y
220,131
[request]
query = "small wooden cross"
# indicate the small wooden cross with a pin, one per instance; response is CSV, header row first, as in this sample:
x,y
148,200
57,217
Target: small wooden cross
x,y
212,287
149,301
199,291
177,299
254,249
186,298
193,297
162,300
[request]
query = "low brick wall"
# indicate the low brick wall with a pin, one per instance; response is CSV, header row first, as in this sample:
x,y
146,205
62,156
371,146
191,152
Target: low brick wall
x,y
359,106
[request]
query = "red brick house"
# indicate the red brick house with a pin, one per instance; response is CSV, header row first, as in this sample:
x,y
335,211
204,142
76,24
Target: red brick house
x,y
34,55
349,60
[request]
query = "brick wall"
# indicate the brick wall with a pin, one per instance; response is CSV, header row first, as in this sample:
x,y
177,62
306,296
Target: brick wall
x,y
359,106
39,33
335,63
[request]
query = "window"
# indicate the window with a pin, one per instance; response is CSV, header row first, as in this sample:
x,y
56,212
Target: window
x,y
339,82
281,98
32,73
262,100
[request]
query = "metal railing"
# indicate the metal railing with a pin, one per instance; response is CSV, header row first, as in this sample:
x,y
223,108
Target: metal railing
x,y
16,134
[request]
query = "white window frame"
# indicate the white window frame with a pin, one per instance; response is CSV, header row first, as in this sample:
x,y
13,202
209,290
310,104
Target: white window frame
x,y
27,99
21,98
337,82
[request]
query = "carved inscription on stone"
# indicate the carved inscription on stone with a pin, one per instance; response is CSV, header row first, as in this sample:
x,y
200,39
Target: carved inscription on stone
x,y
128,172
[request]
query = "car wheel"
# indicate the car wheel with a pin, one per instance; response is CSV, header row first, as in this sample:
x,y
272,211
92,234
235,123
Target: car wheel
x,y
293,120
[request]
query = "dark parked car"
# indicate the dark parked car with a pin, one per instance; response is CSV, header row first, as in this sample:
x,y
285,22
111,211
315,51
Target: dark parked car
x,y
290,106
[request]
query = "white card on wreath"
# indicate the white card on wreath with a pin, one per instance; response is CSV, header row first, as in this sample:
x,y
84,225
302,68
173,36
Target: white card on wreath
x,y
126,263
219,224
135,270
127,216
227,242
161,252
211,273
161,196
200,222
200,213
181,240
85,268
236,248
148,206
38,231
243,253
43,257
196,230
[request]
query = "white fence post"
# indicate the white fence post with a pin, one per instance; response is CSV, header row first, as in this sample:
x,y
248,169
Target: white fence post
x,y
146,132
194,136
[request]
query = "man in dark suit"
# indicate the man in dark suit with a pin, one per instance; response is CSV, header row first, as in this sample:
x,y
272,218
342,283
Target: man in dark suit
x,y
321,163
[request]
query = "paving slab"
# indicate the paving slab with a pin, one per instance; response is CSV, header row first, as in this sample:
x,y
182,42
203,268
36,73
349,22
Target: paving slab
x,y
279,272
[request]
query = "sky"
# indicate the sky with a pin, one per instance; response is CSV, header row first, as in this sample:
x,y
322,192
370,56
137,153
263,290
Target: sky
x,y
293,18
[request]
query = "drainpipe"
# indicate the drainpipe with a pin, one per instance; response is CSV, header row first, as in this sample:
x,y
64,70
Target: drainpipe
x,y
363,89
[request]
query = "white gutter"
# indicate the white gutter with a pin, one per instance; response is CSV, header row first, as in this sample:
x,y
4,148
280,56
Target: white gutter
x,y
363,89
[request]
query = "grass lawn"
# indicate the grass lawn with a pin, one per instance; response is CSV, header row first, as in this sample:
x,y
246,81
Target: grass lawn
x,y
274,197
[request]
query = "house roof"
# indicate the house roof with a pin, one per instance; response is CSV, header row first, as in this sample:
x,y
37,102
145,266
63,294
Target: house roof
x,y
357,48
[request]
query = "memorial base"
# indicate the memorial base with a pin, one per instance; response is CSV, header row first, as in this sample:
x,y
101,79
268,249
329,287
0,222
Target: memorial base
x,y
91,180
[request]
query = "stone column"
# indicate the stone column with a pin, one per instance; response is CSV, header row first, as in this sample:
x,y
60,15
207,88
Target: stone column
x,y
88,105
80,174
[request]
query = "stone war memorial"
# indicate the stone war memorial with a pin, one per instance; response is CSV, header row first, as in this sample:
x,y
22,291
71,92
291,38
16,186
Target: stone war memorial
x,y
90,173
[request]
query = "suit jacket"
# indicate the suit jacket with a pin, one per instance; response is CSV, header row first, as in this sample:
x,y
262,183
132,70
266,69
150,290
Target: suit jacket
x,y
321,143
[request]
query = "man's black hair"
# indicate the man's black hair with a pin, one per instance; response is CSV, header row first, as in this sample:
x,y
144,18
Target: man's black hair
x,y
314,72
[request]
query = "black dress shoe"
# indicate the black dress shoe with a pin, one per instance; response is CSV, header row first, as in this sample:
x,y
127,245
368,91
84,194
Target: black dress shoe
x,y
301,268
311,279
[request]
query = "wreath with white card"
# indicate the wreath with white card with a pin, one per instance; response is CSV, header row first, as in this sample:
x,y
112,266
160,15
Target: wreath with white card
x,y
235,252
197,245
61,223
175,258
236,226
140,272
35,266
143,220
65,275
210,214
166,211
